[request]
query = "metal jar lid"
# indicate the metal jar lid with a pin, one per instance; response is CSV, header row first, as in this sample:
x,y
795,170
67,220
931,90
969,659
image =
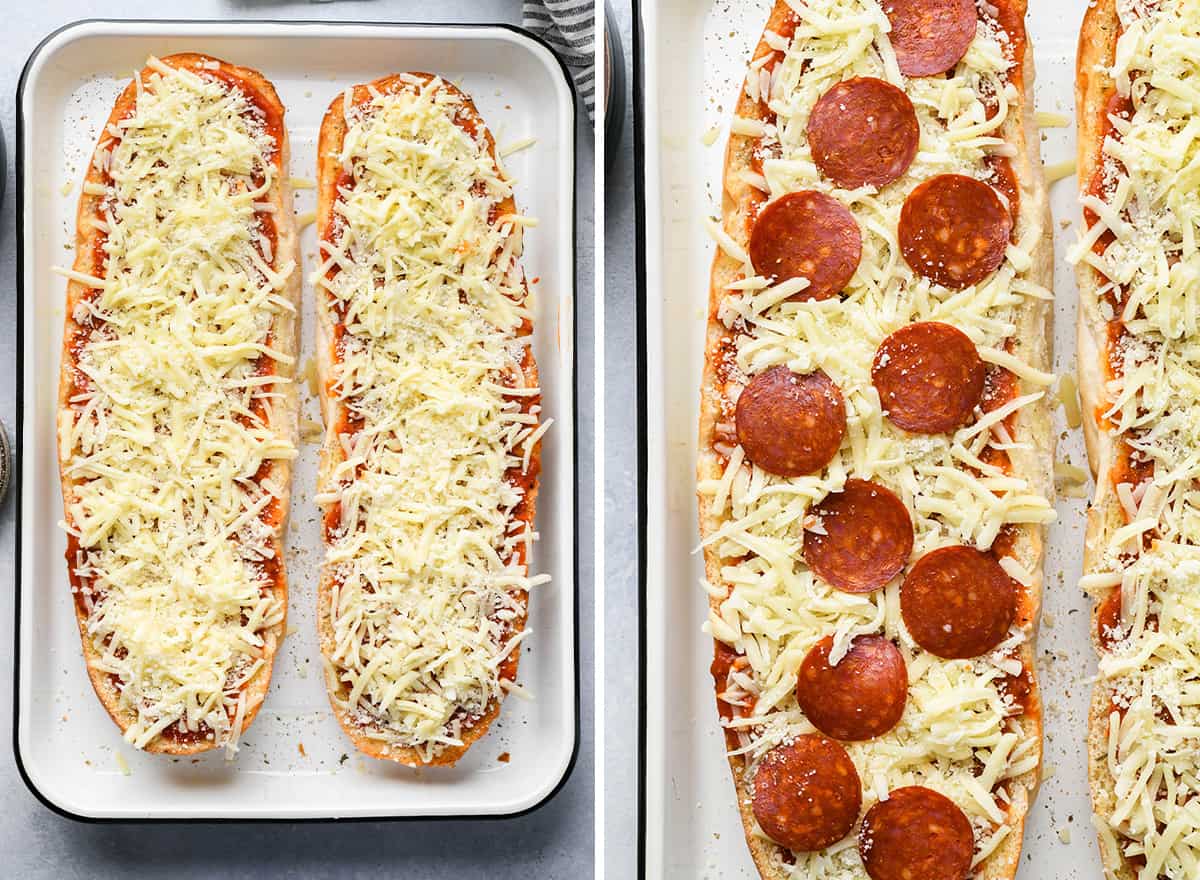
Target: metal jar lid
x,y
6,466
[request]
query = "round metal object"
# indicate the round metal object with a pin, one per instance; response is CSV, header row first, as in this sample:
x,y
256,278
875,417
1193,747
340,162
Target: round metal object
x,y
6,464
614,86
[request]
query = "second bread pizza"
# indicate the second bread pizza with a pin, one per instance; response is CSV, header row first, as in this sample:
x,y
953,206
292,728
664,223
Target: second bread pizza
x,y
431,401
1137,265
875,444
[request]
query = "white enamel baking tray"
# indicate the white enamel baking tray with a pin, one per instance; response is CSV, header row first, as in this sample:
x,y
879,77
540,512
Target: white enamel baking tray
x,y
294,762
693,56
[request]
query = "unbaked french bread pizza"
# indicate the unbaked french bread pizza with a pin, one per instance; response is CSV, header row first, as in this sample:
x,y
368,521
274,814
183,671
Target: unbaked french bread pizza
x,y
432,408
1139,377
177,411
875,457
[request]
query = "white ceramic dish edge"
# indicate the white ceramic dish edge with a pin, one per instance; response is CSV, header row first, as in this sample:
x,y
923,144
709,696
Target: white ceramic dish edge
x,y
294,763
692,64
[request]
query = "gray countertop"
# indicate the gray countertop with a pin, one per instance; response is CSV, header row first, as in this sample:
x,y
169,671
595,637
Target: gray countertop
x,y
554,842
620,496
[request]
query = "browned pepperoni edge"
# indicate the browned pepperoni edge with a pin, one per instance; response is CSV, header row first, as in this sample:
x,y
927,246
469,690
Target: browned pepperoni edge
x,y
954,230
929,377
930,36
958,603
790,424
807,234
863,131
807,793
868,537
916,834
860,698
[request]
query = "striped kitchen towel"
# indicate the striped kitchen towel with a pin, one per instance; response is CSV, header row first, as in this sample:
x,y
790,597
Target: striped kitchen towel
x,y
569,27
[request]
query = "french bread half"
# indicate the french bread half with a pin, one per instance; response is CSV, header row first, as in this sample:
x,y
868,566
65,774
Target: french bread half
x,y
795,600
1138,380
429,470
177,411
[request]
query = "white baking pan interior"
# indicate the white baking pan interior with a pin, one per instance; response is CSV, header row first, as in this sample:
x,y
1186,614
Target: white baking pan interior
x,y
294,761
694,61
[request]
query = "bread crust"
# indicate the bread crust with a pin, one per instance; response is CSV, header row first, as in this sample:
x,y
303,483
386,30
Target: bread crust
x,y
329,177
285,333
1093,88
1032,344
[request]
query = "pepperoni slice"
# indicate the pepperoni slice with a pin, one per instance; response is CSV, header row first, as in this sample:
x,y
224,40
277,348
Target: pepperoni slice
x,y
930,36
916,834
865,537
809,235
929,377
807,793
790,424
863,131
862,697
954,230
958,603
